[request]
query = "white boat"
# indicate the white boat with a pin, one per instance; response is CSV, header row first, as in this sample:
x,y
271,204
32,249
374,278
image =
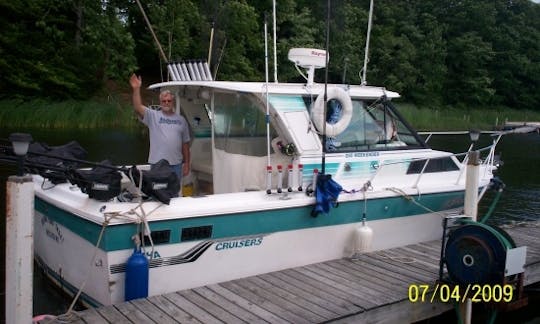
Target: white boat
x,y
231,227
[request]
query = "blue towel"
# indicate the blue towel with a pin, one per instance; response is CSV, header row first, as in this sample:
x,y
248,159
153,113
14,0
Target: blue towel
x,y
326,194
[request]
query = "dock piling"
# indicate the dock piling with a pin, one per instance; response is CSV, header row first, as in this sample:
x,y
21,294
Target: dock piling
x,y
19,248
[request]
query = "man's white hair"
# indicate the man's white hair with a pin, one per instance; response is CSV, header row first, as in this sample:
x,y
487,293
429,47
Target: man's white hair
x,y
165,92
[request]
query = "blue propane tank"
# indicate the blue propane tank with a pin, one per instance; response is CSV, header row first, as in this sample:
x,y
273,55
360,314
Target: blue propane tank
x,y
136,276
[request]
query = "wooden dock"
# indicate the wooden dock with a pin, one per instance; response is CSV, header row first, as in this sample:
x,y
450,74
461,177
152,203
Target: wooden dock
x,y
521,124
370,288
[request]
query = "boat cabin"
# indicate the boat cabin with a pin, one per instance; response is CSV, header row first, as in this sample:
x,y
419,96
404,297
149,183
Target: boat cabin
x,y
230,145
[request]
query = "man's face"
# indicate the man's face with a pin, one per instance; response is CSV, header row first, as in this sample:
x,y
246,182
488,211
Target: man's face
x,y
166,102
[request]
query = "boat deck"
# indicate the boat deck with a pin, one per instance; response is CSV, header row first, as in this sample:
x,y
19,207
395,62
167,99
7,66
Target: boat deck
x,y
370,288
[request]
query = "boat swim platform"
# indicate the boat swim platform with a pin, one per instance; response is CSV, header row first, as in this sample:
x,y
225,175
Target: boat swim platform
x,y
370,288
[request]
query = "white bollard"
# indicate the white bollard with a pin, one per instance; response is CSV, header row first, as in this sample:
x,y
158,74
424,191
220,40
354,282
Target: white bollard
x,y
471,185
19,249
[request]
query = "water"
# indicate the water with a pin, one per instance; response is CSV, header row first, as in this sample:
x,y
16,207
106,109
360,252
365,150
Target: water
x,y
520,200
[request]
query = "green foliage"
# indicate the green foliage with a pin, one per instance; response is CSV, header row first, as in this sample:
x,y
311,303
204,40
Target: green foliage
x,y
243,53
60,49
465,53
297,27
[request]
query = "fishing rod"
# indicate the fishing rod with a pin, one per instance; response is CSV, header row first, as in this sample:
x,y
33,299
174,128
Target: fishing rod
x,y
323,162
158,44
62,158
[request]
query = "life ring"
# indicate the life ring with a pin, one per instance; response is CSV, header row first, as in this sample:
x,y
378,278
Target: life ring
x,y
318,117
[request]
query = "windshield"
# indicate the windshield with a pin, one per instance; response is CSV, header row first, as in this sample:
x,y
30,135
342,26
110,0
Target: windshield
x,y
374,125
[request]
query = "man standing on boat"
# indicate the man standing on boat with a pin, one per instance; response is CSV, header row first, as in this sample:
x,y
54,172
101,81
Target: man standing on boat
x,y
169,131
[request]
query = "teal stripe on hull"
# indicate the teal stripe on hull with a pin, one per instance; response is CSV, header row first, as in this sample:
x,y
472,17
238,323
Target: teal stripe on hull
x,y
118,237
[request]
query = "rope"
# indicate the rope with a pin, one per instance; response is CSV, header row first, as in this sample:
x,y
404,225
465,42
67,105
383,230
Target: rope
x,y
411,199
404,260
400,259
140,219
367,186
70,315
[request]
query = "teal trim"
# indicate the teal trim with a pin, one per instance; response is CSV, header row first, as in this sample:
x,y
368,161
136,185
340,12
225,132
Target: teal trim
x,y
287,102
307,172
118,237
202,132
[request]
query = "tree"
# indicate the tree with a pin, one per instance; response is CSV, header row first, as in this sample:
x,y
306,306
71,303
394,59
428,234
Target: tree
x,y
56,49
468,80
241,43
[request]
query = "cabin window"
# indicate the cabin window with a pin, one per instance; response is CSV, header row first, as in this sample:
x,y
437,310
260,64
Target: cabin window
x,y
445,164
373,126
239,124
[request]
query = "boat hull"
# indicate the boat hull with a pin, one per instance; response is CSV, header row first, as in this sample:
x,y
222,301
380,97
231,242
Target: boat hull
x,y
66,249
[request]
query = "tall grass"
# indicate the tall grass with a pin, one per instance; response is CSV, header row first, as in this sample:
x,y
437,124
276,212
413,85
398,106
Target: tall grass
x,y
115,114
439,119
65,115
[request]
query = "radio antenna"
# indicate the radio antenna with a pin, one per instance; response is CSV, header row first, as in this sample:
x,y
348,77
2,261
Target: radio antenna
x,y
275,41
366,54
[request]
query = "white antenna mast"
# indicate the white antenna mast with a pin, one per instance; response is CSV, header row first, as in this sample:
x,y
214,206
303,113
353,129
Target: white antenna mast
x,y
275,41
366,54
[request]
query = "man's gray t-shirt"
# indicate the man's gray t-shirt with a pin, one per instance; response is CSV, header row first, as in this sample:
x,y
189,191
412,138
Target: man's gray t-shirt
x,y
167,134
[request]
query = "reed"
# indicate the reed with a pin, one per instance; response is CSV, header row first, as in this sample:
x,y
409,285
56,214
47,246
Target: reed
x,y
65,115
114,114
449,118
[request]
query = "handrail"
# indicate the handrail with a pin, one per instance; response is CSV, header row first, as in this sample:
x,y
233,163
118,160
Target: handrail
x,y
487,162
421,173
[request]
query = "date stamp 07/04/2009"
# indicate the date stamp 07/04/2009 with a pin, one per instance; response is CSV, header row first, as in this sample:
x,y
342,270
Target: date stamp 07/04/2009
x,y
423,293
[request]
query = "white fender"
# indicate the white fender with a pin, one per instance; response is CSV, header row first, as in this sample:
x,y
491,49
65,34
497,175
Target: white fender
x,y
318,117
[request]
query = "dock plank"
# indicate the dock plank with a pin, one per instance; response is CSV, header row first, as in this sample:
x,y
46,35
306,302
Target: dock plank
x,y
322,290
92,316
155,313
132,313
290,305
354,295
366,285
293,297
328,289
248,294
389,275
397,267
231,307
414,261
314,296
170,308
355,270
112,315
425,254
191,308
245,304
210,306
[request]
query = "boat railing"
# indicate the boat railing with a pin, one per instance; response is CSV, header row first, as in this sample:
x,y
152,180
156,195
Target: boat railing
x,y
489,163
